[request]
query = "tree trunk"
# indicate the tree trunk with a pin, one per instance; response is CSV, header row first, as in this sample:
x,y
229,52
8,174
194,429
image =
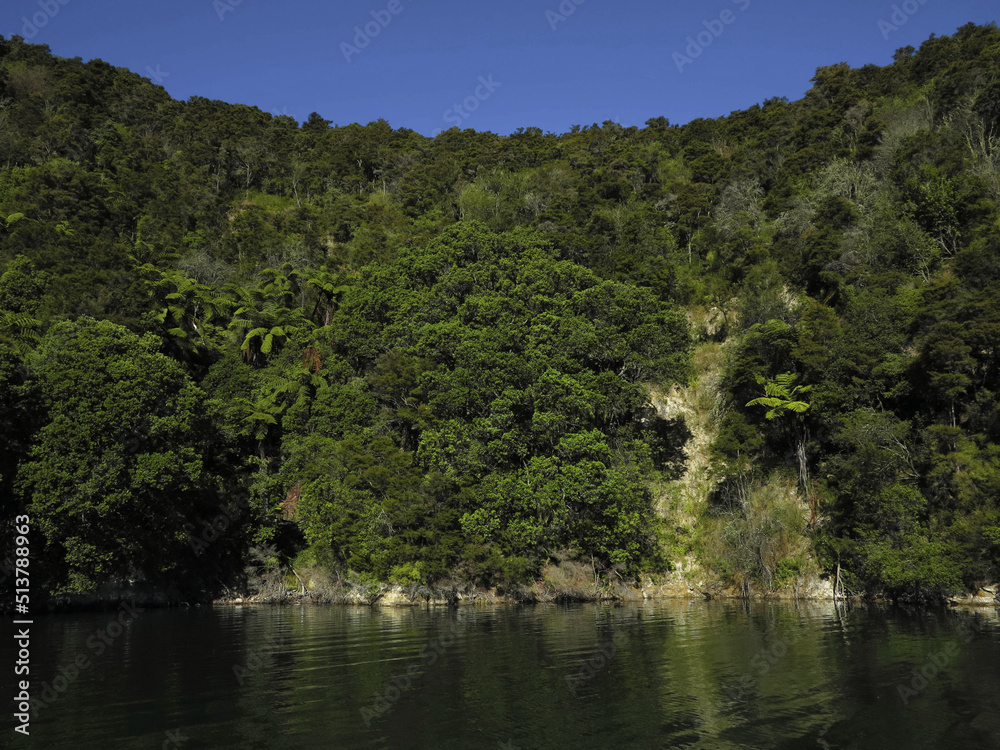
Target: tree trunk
x,y
800,453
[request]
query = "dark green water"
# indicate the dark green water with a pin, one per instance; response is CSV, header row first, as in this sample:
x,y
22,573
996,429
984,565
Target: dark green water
x,y
659,675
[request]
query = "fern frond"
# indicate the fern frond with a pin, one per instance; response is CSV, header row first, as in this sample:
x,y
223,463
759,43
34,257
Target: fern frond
x,y
765,401
259,416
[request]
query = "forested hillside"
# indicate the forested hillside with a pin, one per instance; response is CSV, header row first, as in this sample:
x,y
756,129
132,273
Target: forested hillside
x,y
231,340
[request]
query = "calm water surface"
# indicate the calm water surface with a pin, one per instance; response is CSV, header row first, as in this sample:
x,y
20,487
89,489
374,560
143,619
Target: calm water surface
x,y
656,675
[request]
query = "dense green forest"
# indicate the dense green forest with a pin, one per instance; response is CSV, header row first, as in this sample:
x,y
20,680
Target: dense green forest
x,y
232,340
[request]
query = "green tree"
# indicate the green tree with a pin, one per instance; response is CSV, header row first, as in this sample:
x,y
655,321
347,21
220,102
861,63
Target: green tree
x,y
782,397
115,471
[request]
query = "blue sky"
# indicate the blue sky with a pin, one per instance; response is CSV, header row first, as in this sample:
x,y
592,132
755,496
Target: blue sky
x,y
491,66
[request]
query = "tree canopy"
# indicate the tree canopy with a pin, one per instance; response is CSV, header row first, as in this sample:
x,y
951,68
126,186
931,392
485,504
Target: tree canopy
x,y
418,358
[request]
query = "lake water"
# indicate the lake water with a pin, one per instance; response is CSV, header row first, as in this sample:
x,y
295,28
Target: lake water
x,y
655,675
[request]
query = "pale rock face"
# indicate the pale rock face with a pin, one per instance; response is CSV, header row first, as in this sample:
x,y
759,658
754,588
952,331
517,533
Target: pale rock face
x,y
984,597
715,321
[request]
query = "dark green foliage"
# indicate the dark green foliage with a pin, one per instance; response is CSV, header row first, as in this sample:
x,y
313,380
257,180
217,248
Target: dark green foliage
x,y
510,374
429,357
115,470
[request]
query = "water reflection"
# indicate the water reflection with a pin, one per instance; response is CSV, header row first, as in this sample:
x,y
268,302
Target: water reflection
x,y
656,674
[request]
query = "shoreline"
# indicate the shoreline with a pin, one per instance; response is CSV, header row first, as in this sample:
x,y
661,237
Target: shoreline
x,y
465,595
397,597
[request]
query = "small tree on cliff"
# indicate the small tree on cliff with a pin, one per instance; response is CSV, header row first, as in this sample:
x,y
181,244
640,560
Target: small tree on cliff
x,y
782,397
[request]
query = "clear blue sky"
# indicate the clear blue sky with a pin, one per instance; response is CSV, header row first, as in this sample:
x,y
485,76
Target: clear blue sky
x,y
607,60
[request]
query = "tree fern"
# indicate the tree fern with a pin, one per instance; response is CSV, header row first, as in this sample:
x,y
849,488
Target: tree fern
x,y
782,396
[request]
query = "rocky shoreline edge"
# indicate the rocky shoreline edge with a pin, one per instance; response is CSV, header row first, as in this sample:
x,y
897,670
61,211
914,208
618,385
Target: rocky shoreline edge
x,y
817,589
396,595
